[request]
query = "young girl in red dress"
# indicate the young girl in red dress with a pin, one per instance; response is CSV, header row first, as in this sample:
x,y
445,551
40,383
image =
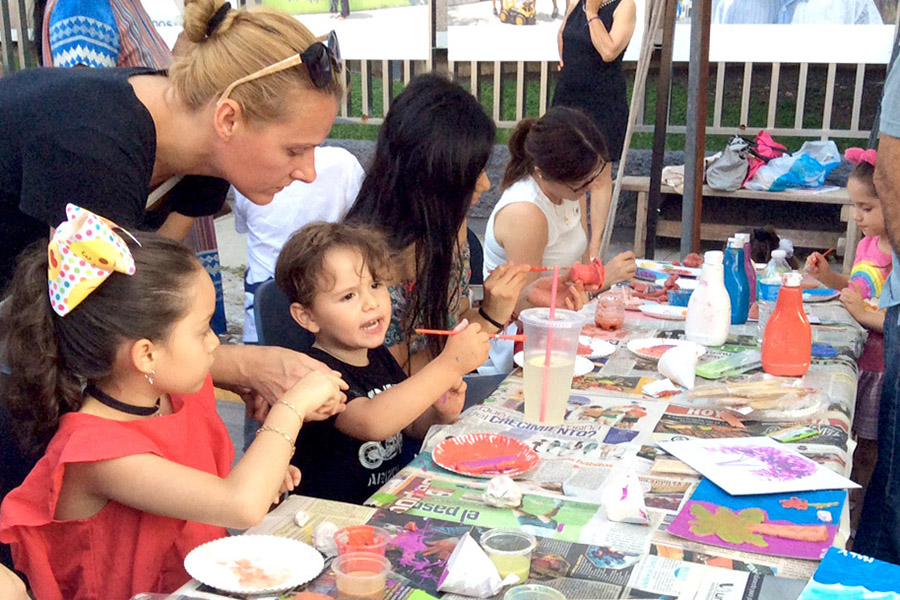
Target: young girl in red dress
x,y
110,372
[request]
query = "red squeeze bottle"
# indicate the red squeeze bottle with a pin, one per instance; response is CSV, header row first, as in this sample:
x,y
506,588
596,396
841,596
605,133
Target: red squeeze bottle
x,y
787,341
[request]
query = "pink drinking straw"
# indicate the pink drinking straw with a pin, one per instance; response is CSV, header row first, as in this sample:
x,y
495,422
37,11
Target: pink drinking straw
x,y
545,383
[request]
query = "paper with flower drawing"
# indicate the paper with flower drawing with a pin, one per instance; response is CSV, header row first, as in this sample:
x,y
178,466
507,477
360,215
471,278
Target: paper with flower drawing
x,y
755,465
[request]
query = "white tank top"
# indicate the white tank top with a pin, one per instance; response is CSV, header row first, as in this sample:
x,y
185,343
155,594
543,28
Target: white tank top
x,y
566,243
566,239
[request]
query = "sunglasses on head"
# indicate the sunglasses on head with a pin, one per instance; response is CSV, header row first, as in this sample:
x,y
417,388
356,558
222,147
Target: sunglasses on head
x,y
322,60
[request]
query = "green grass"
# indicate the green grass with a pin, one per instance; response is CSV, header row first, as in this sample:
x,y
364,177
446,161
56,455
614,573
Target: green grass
x,y
731,107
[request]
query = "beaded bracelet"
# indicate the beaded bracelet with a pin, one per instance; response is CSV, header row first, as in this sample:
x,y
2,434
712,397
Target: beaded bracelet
x,y
592,19
292,407
286,437
487,318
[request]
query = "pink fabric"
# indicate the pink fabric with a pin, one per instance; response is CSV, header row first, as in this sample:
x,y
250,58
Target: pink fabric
x,y
870,271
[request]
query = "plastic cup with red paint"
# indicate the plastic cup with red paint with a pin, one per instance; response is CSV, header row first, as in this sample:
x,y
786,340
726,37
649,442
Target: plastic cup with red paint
x,y
361,575
362,538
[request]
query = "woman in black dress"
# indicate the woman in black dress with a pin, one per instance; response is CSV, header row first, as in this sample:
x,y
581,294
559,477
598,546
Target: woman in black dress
x,y
592,40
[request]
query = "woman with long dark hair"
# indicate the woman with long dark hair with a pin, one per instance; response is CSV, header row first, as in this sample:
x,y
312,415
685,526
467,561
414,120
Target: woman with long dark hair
x,y
427,171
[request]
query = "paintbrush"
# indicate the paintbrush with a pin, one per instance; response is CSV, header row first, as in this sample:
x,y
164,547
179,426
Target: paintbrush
x,y
493,336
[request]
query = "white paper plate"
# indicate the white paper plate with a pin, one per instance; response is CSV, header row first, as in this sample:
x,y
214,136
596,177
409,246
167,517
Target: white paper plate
x,y
820,295
641,347
254,564
664,311
599,348
583,366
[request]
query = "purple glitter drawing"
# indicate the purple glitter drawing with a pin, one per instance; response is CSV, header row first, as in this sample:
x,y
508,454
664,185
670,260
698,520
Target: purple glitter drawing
x,y
777,465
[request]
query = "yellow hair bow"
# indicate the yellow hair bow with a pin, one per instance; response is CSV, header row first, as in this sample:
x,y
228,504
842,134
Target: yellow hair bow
x,y
83,252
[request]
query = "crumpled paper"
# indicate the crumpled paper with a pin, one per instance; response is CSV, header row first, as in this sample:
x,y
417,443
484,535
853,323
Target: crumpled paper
x,y
323,538
679,364
622,497
470,572
503,492
301,518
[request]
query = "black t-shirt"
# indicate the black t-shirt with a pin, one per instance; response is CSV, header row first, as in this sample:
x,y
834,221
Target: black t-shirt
x,y
80,136
336,466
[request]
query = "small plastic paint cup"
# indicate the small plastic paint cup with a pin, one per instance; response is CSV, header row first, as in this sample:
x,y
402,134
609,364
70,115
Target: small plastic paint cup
x,y
532,592
510,551
679,297
361,575
362,538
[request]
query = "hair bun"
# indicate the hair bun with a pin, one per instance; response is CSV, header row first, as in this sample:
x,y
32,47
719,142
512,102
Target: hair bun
x,y
205,18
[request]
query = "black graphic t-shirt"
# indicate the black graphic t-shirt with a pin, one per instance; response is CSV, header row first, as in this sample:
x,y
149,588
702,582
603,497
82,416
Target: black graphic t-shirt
x,y
336,466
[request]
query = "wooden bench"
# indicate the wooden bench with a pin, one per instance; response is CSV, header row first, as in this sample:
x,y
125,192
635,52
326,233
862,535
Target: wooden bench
x,y
843,242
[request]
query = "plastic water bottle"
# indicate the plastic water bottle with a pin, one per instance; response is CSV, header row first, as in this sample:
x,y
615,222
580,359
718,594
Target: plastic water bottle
x,y
767,287
736,281
709,309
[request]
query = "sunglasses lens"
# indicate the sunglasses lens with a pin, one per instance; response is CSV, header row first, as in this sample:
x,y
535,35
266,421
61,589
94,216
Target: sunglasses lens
x,y
334,47
318,64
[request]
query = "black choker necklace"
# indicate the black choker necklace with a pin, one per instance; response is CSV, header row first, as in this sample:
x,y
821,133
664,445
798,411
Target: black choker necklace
x,y
104,398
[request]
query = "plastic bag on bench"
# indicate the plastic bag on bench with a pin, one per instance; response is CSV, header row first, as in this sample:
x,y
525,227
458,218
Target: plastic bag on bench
x,y
807,168
728,172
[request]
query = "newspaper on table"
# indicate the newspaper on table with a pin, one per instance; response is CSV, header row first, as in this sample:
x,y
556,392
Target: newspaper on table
x,y
575,457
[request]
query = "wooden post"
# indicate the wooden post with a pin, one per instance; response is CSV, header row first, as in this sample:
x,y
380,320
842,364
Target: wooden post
x,y
695,142
663,94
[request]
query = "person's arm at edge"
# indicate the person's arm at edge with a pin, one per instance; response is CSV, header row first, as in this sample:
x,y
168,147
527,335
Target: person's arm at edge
x,y
887,183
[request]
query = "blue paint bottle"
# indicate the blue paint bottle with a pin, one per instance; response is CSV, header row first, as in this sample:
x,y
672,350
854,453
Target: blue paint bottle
x,y
736,281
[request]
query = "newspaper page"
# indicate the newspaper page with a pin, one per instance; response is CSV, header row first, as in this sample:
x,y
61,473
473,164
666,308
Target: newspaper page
x,y
461,502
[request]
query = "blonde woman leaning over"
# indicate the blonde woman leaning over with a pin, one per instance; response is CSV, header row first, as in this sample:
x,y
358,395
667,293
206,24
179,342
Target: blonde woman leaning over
x,y
231,110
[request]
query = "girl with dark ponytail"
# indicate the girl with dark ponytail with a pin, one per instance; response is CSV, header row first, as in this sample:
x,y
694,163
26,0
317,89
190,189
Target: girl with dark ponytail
x,y
540,217
108,342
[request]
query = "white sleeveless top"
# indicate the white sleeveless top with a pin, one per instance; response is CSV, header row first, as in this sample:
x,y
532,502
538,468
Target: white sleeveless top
x,y
566,239
566,243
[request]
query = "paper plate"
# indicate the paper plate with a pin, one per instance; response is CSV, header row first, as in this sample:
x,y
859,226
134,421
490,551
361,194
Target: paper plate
x,y
583,365
599,348
254,564
653,348
820,295
664,311
485,455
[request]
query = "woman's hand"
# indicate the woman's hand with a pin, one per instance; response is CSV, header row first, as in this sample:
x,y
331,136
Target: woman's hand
x,y
266,372
502,290
592,7
570,296
621,268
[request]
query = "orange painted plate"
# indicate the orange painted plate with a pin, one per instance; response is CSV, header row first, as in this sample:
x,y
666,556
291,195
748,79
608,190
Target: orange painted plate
x,y
485,455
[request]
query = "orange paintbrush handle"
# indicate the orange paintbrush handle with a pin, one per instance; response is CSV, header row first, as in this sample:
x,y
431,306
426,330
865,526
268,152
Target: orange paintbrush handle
x,y
533,269
495,336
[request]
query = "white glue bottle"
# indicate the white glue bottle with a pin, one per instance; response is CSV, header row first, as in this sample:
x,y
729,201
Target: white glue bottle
x,y
709,309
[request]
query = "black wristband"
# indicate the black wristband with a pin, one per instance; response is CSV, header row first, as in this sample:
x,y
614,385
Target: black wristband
x,y
487,318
